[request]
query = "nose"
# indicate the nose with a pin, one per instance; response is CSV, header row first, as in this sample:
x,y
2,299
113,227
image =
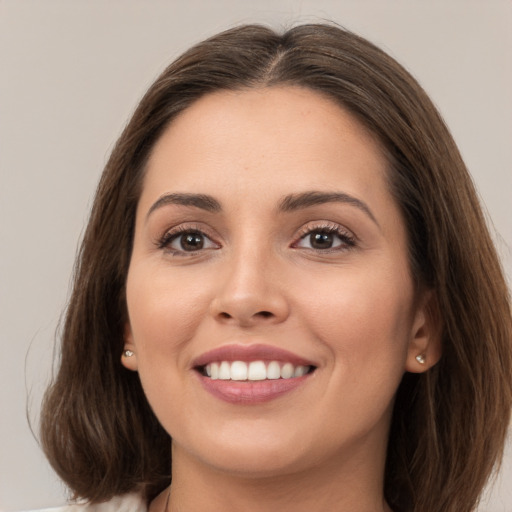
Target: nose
x,y
250,292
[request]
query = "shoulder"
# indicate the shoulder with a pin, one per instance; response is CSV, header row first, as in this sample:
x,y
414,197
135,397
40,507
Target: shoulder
x,y
125,503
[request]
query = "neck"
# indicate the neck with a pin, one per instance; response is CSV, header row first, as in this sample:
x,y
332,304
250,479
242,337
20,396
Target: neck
x,y
344,483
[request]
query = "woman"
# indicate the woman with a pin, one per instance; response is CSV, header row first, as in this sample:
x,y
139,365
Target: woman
x,y
287,288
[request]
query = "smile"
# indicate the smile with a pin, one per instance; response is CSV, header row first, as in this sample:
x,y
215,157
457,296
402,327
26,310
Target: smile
x,y
252,374
254,370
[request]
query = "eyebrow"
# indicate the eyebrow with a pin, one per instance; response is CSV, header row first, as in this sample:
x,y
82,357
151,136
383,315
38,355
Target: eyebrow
x,y
202,201
289,203
294,202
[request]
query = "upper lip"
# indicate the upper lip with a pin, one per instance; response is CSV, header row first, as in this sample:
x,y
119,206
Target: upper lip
x,y
249,353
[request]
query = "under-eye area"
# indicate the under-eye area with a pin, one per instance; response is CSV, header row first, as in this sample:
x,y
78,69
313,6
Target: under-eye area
x,y
254,370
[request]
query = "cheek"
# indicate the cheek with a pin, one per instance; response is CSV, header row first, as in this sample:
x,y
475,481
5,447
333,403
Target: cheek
x,y
365,325
164,312
363,317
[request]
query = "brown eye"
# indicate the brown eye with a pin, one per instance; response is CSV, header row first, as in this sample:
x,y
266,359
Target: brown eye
x,y
187,241
321,240
191,241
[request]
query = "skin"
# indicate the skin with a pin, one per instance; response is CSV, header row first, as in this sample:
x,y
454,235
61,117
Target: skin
x,y
351,309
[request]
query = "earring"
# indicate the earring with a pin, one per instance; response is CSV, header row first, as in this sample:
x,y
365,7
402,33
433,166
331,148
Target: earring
x,y
127,353
421,358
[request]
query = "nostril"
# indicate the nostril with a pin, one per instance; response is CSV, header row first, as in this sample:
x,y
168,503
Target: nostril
x,y
246,317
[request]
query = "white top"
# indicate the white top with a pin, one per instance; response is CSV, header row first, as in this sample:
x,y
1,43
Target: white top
x,y
125,503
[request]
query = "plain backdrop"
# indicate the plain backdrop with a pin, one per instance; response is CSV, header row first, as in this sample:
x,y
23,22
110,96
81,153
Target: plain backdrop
x,y
72,71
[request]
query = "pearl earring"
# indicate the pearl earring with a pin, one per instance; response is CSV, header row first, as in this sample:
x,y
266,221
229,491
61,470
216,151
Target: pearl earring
x,y
421,358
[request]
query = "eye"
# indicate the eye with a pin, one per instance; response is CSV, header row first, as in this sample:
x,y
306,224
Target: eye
x,y
186,241
325,238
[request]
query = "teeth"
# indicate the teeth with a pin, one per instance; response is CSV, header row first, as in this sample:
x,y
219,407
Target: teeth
x,y
287,371
224,371
300,371
273,370
255,370
238,370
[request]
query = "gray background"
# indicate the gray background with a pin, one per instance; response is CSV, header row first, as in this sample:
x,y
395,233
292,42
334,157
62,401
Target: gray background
x,y
71,71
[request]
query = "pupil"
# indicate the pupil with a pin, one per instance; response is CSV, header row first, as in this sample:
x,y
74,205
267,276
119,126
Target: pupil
x,y
321,240
192,242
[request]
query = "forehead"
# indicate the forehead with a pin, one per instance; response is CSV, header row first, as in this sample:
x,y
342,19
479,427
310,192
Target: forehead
x,y
281,140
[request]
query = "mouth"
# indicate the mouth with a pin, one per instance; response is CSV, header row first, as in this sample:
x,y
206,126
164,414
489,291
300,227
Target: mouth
x,y
243,371
251,374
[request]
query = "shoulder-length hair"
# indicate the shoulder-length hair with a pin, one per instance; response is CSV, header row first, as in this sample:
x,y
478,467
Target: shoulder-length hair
x,y
449,424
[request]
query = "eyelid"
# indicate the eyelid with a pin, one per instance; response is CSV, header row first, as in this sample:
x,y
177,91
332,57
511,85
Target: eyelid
x,y
347,236
163,242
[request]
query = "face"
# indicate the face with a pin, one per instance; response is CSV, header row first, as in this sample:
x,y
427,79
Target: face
x,y
271,309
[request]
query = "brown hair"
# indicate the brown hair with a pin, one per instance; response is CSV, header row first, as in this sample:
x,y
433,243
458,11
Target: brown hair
x,y
449,424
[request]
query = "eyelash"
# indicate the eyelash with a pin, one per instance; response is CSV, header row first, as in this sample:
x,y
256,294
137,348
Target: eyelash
x,y
347,239
170,236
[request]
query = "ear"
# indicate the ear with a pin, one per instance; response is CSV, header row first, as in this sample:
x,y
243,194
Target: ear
x,y
129,355
425,346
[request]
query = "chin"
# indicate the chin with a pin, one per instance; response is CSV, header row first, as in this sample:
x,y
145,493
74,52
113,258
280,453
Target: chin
x,y
259,463
256,455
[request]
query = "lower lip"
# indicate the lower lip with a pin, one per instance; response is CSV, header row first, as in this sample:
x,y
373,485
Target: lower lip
x,y
251,392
